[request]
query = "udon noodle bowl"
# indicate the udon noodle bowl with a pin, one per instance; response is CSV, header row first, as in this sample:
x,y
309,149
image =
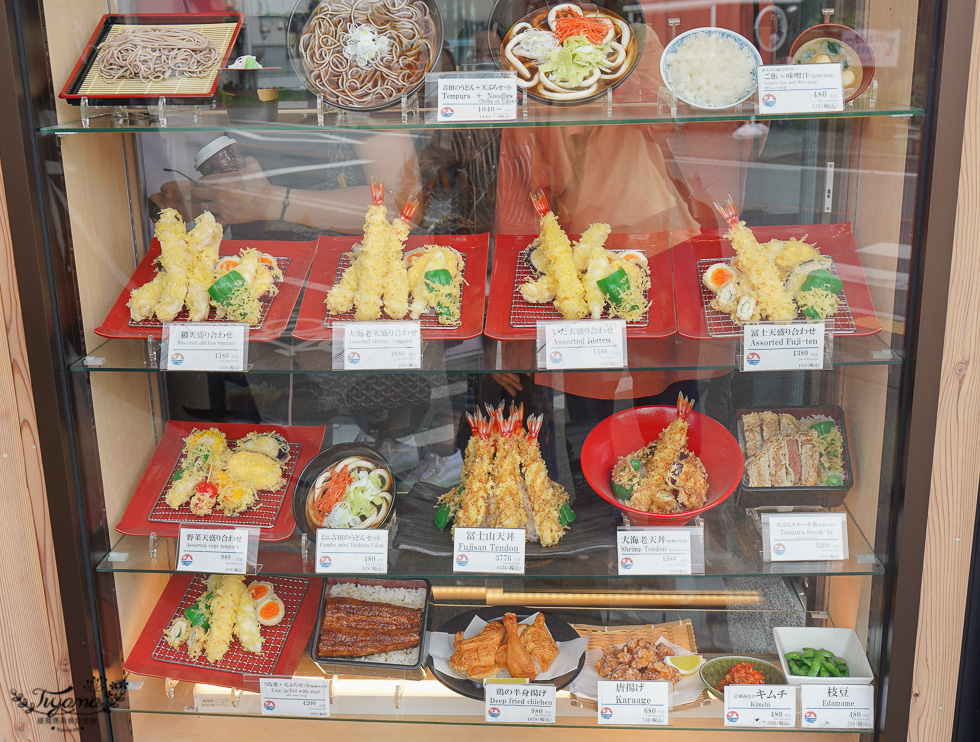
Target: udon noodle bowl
x,y
364,54
355,492
569,52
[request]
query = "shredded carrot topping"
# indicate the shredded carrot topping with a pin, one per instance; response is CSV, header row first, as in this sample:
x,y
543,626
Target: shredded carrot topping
x,y
331,492
591,27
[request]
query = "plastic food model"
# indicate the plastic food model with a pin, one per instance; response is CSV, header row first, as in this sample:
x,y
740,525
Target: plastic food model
x,y
783,451
778,280
505,482
565,53
584,280
523,650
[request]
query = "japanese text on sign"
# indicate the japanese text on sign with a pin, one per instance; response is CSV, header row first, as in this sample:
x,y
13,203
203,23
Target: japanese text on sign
x,y
652,551
295,697
477,98
380,345
812,537
633,702
800,88
790,346
205,346
837,706
582,344
489,550
519,704
222,551
341,551
760,706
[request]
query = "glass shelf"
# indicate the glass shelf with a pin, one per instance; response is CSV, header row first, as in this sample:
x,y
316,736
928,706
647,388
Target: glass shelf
x,y
538,114
480,355
733,548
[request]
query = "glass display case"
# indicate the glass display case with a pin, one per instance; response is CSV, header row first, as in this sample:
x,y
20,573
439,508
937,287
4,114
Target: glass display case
x,y
643,249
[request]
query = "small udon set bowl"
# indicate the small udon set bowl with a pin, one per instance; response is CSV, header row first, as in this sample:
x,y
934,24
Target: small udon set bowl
x,y
364,55
348,486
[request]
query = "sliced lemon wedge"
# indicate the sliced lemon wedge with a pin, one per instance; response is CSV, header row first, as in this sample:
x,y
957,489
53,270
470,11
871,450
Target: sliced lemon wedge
x,y
686,664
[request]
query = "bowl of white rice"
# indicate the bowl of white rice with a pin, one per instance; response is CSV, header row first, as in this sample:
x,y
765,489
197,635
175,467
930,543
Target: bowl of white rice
x,y
710,68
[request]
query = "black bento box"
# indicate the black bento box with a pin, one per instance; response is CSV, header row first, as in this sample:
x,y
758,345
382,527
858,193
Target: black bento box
x,y
821,496
411,584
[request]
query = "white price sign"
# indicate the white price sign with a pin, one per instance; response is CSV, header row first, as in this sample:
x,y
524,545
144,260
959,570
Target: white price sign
x,y
519,704
654,551
760,706
295,697
340,551
382,345
582,344
489,550
477,97
807,538
800,88
789,346
837,706
205,346
633,702
215,550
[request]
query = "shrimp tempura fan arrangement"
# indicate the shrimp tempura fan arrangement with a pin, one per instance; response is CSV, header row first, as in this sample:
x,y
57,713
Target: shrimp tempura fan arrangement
x,y
505,481
381,277
585,279
190,273
776,280
664,476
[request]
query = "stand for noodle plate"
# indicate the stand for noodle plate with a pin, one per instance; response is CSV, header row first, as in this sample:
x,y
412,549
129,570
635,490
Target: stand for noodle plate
x,y
165,113
118,115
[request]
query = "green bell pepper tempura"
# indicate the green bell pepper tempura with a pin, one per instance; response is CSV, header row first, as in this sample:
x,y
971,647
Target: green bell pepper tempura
x,y
440,277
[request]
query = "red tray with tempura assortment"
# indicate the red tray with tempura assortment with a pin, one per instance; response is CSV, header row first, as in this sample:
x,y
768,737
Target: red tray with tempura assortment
x,y
281,651
511,317
332,258
148,511
294,259
697,319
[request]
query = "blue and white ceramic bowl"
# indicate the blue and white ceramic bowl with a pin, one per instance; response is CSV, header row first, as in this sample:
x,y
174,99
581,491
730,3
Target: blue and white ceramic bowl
x,y
674,46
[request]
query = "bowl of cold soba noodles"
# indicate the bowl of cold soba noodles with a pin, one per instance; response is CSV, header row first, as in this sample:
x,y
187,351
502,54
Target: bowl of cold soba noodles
x,y
567,52
348,486
364,55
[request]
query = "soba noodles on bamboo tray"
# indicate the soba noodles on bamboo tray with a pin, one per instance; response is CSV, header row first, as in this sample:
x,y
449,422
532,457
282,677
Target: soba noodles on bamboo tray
x,y
570,52
364,54
154,54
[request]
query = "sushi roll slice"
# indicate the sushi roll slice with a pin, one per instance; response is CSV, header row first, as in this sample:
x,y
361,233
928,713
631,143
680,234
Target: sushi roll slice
x,y
717,276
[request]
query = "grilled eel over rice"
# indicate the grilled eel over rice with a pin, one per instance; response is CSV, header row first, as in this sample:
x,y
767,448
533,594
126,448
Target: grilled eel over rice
x,y
356,628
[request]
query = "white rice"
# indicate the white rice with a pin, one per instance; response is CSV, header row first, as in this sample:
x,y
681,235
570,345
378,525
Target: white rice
x,y
402,596
711,69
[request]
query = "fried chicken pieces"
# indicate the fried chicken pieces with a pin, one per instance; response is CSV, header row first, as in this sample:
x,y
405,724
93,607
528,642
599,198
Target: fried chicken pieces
x,y
638,659
523,650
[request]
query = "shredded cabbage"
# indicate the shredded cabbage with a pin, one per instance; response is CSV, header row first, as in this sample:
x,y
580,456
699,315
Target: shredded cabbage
x,y
362,499
575,60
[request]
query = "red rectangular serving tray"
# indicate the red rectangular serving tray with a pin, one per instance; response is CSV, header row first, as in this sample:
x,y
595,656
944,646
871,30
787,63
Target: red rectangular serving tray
x,y
833,240
87,58
284,643
294,260
148,511
511,317
313,322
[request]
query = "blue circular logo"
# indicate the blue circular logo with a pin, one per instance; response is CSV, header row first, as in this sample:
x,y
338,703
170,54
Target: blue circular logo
x,y
447,112
778,549
769,100
325,561
556,356
493,712
186,560
353,358
753,359
732,716
176,359
606,712
269,705
810,716
626,563
462,560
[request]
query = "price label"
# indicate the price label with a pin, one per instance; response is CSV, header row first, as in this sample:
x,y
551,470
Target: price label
x,y
654,551
519,704
787,346
801,88
213,550
295,697
381,345
489,550
837,706
205,346
760,706
806,538
582,344
477,97
633,702
341,551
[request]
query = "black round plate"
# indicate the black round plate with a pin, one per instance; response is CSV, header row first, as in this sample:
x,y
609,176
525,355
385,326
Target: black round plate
x,y
560,632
